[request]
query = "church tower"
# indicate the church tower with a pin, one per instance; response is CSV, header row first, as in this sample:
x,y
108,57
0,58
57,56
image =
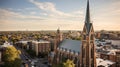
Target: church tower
x,y
88,58
59,35
58,39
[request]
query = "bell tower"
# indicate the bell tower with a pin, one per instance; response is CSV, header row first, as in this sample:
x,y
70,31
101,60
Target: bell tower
x,y
88,57
58,39
59,35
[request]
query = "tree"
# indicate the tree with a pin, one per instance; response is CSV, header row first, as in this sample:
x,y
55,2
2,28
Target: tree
x,y
11,57
78,38
4,38
69,63
16,63
11,53
31,53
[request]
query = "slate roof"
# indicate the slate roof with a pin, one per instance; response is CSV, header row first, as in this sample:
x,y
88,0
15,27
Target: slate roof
x,y
70,45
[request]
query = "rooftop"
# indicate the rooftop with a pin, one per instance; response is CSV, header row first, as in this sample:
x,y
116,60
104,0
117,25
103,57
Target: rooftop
x,y
6,44
41,41
70,45
105,63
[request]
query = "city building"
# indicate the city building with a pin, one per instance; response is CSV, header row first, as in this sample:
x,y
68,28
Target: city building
x,y
112,55
6,44
41,46
23,44
107,51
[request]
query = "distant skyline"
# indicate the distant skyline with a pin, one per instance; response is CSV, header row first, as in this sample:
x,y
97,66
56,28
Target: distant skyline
x,y
35,15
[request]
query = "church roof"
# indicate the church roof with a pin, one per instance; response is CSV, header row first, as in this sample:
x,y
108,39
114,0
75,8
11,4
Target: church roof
x,y
73,46
70,45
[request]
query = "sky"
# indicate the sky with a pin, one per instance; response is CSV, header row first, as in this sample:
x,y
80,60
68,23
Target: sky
x,y
35,15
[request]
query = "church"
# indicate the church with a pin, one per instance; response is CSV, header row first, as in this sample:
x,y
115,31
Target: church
x,y
82,52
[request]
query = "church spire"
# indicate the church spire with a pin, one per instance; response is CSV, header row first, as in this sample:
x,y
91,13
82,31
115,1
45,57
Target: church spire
x,y
88,57
87,19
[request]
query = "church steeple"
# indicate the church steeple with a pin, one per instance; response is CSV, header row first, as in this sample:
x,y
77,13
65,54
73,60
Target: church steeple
x,y
87,19
88,57
58,38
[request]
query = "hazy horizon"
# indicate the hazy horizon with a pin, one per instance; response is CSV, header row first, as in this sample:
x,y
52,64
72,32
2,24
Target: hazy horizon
x,y
54,30
37,15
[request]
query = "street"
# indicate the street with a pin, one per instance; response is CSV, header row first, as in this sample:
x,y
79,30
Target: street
x,y
31,62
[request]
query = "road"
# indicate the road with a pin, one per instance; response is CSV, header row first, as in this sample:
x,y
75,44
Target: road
x,y
24,57
31,62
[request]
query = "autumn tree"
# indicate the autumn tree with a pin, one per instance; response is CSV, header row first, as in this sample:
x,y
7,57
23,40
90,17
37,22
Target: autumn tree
x,y
11,57
4,38
69,63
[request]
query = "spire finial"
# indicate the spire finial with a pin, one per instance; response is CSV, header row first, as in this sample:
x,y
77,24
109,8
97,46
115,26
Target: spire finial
x,y
87,19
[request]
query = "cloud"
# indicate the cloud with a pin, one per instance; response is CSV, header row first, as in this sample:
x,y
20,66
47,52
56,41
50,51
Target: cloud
x,y
32,13
51,11
45,15
46,6
11,20
7,14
